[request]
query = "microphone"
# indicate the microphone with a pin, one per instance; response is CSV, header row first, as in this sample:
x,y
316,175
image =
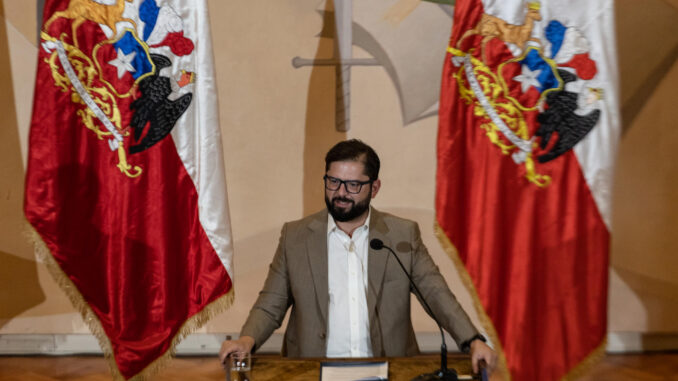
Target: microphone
x,y
443,373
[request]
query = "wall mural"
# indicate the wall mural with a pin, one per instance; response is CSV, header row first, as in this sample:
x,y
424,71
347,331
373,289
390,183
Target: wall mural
x,y
410,47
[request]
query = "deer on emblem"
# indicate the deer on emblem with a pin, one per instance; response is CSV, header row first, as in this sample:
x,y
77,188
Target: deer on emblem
x,y
94,10
490,27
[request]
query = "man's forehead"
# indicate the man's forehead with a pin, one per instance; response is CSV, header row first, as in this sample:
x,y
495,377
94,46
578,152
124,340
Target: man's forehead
x,y
353,167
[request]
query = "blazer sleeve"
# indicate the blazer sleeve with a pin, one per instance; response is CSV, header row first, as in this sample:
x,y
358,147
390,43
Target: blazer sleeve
x,y
434,289
274,299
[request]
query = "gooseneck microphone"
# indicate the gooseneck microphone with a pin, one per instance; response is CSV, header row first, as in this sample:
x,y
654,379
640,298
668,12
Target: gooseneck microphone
x,y
443,373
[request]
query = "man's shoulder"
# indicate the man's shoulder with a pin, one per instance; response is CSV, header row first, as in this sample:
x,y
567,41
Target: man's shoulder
x,y
391,225
314,221
391,219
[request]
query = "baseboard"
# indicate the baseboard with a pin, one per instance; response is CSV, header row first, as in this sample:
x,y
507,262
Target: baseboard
x,y
209,344
629,342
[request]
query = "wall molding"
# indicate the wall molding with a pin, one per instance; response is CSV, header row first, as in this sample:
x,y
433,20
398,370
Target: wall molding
x,y
209,343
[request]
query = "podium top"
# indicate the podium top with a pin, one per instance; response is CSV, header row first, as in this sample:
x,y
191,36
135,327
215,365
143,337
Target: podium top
x,y
275,367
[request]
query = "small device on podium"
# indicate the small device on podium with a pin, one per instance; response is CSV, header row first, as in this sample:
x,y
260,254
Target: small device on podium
x,y
239,366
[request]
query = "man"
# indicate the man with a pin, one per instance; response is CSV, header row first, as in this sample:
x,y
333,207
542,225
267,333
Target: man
x,y
349,300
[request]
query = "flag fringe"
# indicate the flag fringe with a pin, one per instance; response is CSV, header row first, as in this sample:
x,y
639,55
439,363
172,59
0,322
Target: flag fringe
x,y
196,321
485,321
191,325
587,363
44,256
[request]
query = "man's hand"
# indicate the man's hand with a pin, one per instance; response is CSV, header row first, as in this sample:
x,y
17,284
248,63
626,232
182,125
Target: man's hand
x,y
243,344
481,351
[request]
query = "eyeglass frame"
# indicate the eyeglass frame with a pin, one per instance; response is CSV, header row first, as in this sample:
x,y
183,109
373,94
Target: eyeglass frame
x,y
345,183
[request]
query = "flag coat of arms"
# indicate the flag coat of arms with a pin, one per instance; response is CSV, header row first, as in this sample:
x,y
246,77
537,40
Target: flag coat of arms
x,y
528,131
125,185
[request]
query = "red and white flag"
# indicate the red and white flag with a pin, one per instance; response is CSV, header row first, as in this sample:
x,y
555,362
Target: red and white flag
x,y
529,126
125,184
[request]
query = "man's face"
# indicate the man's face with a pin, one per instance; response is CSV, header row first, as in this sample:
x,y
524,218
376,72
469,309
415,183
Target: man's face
x,y
345,206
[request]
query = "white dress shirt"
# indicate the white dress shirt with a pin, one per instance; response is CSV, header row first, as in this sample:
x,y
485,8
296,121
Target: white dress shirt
x,y
348,326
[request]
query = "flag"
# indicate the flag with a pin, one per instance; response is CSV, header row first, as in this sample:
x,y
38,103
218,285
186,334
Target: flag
x,y
125,185
528,129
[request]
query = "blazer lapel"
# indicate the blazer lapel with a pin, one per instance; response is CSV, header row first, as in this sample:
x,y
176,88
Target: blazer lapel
x,y
376,263
316,251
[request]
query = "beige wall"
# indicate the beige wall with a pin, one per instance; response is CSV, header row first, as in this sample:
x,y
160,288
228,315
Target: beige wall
x,y
277,122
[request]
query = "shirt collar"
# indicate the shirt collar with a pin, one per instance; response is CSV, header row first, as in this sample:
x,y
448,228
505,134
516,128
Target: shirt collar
x,y
332,225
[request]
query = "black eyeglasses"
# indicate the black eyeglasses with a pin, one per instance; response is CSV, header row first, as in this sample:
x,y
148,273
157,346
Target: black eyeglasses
x,y
352,186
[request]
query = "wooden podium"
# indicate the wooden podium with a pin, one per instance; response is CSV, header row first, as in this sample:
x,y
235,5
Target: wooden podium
x,y
274,367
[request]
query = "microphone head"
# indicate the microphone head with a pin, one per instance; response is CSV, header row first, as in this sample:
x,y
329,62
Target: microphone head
x,y
376,244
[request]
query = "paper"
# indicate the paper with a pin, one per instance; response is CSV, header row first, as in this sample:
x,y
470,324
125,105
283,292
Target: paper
x,y
353,371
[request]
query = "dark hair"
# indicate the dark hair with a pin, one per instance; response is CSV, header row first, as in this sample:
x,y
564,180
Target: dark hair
x,y
354,150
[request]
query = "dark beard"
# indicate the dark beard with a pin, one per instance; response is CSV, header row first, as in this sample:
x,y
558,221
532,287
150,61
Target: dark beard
x,y
353,212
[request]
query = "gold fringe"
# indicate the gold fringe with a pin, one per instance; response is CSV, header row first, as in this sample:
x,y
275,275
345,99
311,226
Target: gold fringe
x,y
585,365
502,367
194,322
190,325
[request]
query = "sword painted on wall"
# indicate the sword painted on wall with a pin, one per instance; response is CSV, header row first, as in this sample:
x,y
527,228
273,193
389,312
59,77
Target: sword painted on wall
x,y
412,59
342,62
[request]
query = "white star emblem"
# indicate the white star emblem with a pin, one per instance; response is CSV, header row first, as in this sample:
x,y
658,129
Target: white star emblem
x,y
528,78
123,62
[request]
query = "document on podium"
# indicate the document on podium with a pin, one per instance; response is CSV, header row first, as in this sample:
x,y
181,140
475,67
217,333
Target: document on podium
x,y
354,371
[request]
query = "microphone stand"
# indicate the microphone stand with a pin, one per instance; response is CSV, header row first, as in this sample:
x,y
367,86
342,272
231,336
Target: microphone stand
x,y
443,373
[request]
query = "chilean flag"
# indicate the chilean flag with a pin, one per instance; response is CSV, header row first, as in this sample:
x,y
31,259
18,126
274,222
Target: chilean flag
x,y
125,185
528,129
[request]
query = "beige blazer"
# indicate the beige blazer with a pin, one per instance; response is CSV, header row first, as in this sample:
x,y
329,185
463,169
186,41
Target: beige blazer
x,y
297,278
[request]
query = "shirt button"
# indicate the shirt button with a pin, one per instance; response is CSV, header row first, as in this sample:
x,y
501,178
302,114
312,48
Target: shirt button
x,y
322,335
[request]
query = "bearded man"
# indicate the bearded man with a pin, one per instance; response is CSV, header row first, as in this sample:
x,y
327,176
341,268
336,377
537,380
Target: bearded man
x,y
347,299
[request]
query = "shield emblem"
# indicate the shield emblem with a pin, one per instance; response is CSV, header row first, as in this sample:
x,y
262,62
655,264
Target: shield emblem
x,y
527,79
123,63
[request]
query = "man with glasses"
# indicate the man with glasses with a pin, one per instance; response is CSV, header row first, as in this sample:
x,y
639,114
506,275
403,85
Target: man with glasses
x,y
347,299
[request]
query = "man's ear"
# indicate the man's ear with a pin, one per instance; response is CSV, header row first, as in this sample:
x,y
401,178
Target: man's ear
x,y
376,184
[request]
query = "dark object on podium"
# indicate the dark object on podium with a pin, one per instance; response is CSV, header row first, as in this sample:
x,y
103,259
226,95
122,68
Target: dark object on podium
x,y
440,374
443,373
482,375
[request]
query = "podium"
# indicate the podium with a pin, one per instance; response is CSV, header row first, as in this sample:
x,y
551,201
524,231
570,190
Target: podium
x,y
275,367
